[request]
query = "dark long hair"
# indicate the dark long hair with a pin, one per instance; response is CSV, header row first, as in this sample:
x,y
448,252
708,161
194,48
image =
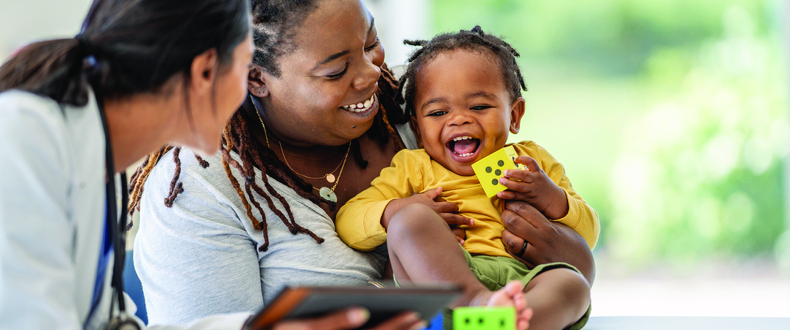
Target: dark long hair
x,y
128,47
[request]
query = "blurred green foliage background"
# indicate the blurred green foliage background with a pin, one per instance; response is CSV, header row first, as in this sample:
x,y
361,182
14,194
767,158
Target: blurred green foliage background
x,y
670,116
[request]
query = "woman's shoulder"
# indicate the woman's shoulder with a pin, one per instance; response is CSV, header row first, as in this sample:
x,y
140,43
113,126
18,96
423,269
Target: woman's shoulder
x,y
19,97
19,107
72,131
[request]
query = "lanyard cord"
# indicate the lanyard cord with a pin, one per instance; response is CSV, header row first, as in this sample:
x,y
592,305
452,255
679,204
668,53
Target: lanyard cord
x,y
117,233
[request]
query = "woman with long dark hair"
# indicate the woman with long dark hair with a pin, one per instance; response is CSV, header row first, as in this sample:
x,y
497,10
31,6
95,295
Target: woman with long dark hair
x,y
74,112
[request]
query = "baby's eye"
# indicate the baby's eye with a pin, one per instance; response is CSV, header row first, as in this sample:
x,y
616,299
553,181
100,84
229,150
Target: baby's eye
x,y
437,113
481,107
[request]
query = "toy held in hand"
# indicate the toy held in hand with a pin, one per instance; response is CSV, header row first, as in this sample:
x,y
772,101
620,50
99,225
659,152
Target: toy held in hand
x,y
489,169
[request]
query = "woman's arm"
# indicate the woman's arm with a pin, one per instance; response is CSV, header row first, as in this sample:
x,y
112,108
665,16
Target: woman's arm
x,y
38,274
547,241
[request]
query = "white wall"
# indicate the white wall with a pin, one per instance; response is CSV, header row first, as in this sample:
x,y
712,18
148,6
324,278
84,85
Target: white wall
x,y
397,20
25,21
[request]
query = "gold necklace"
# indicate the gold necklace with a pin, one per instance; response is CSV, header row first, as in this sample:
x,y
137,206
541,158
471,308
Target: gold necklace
x,y
325,192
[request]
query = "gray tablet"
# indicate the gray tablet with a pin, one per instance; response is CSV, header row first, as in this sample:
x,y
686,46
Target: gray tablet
x,y
383,303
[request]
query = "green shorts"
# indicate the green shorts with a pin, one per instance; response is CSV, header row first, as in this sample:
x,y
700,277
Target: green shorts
x,y
495,272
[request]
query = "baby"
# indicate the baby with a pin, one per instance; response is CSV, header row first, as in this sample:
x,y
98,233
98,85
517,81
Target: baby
x,y
463,93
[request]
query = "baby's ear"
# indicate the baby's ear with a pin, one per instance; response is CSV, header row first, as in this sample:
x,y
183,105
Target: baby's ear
x,y
256,82
516,112
416,130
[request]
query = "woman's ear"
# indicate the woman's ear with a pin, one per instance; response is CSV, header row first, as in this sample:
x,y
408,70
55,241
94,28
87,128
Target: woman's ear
x,y
416,130
256,82
204,71
516,112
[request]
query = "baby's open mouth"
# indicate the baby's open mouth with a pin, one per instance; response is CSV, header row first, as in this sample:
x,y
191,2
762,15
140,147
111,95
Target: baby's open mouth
x,y
464,146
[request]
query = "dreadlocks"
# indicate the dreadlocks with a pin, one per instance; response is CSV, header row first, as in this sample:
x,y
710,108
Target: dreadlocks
x,y
475,40
274,24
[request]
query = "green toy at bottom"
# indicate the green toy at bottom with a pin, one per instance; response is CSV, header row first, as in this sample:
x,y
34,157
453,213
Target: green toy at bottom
x,y
484,318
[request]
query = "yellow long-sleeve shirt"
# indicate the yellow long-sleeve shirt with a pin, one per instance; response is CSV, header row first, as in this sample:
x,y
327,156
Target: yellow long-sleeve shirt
x,y
413,171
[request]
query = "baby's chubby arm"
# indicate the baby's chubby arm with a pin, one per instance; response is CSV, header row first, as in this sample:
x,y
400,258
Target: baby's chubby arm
x,y
534,187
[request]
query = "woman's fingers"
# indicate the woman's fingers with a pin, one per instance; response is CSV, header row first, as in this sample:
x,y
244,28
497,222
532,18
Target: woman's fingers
x,y
514,246
520,218
405,321
353,318
347,319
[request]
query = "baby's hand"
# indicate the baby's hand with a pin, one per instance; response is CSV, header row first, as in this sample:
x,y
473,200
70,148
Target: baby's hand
x,y
534,187
447,210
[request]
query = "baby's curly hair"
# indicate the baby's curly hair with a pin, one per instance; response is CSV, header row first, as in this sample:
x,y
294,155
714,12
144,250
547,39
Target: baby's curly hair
x,y
473,40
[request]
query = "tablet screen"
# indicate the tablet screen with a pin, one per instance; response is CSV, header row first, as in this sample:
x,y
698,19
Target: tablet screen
x,y
307,302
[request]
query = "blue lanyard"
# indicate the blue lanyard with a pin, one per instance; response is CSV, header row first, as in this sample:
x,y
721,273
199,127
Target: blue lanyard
x,y
104,258
114,240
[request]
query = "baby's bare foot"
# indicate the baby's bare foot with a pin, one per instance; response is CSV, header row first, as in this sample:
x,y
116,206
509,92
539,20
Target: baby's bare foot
x,y
510,295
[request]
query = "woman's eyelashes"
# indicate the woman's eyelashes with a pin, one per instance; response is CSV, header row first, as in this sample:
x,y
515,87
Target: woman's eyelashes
x,y
373,46
338,75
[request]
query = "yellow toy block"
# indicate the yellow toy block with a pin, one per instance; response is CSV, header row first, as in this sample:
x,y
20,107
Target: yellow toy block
x,y
489,169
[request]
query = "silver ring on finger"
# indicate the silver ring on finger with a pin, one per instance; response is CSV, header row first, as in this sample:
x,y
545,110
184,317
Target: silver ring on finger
x,y
523,249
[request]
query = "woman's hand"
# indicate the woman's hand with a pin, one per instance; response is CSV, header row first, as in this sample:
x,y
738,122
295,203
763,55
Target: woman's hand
x,y
547,241
353,318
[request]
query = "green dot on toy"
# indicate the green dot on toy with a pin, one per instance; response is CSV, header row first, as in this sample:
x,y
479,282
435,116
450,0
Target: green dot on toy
x,y
495,182
488,169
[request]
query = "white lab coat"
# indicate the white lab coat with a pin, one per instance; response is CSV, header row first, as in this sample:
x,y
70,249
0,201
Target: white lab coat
x,y
52,201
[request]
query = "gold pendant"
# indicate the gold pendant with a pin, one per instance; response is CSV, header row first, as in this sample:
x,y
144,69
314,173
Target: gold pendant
x,y
330,177
327,194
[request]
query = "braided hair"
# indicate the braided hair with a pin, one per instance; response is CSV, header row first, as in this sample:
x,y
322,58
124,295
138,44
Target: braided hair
x,y
474,40
274,25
